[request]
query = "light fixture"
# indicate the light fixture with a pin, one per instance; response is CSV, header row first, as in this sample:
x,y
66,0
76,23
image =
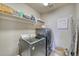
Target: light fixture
x,y
45,4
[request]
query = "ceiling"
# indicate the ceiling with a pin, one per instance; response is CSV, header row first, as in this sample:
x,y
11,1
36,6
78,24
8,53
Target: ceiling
x,y
45,9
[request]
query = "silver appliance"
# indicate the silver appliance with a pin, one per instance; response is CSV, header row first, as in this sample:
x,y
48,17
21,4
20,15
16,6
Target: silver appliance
x,y
32,46
46,33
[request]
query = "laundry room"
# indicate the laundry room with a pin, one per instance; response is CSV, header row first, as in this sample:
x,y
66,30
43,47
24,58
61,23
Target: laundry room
x,y
39,29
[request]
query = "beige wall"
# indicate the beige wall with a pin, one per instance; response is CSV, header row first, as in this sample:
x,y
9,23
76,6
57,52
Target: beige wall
x,y
62,37
10,31
77,13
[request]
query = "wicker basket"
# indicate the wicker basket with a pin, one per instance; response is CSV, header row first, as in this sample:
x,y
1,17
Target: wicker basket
x,y
6,9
